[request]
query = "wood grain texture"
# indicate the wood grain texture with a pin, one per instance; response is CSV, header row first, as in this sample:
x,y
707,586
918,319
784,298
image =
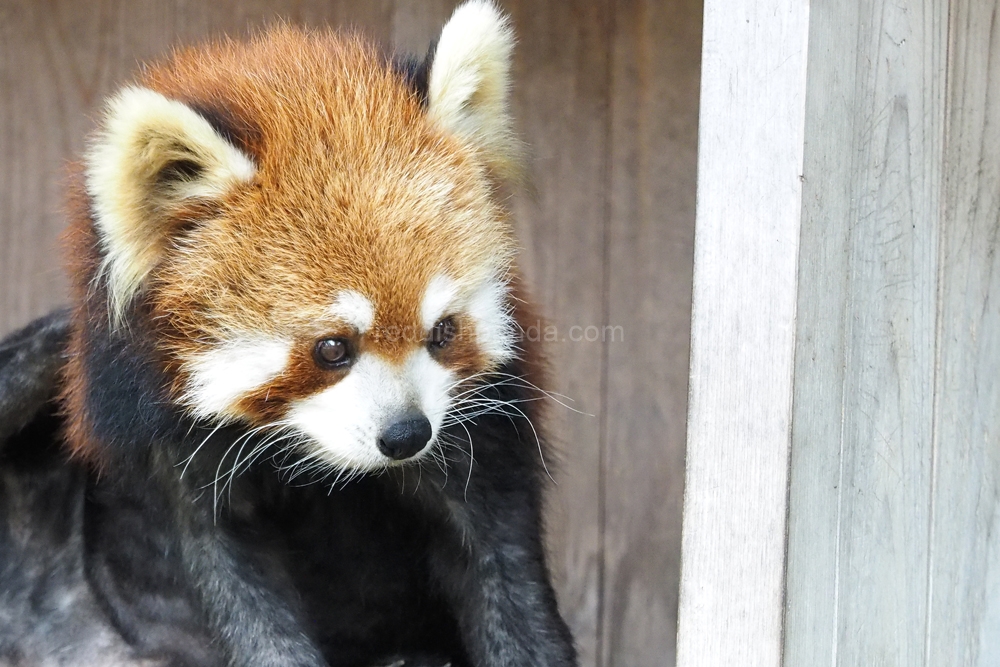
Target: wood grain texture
x,y
605,93
861,476
746,249
654,121
561,94
963,626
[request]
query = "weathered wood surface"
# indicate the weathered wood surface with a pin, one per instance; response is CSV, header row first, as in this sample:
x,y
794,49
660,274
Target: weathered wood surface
x,y
742,333
864,386
964,572
606,93
894,525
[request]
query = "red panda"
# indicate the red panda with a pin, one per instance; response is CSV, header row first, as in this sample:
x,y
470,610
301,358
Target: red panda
x,y
294,373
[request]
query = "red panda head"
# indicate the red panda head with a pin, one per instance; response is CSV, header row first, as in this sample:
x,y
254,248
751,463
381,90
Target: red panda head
x,y
317,248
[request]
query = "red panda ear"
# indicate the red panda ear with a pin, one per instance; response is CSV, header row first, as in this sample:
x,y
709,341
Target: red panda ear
x,y
469,83
152,157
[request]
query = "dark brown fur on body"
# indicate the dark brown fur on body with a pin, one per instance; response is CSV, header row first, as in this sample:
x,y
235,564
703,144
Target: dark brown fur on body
x,y
302,190
49,615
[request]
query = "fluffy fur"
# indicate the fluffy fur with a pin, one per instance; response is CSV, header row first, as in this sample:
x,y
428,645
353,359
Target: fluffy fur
x,y
152,155
49,615
350,175
303,429
467,87
30,360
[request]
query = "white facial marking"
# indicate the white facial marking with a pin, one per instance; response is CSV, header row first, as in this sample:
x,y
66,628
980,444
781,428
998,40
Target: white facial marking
x,y
495,328
355,309
346,420
431,382
440,294
488,305
222,376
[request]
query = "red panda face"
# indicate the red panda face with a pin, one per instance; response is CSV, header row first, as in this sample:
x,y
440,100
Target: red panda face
x,y
321,252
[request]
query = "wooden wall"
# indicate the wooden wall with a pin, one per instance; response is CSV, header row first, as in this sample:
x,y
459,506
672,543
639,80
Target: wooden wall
x,y
862,525
743,332
606,93
894,504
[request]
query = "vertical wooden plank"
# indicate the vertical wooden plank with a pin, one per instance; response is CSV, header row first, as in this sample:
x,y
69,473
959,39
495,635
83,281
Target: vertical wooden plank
x,y
654,120
863,418
746,248
34,137
964,614
561,91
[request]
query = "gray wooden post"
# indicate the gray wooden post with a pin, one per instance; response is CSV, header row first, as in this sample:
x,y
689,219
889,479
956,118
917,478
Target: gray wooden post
x,y
845,368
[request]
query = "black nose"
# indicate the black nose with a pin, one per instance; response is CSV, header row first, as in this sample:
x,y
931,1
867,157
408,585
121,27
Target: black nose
x,y
405,438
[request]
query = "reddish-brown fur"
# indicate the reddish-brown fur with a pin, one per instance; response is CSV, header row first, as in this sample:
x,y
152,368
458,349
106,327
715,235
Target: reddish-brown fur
x,y
81,263
347,164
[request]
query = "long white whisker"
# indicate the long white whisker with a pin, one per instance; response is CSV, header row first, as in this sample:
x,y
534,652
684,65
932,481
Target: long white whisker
x,y
472,459
215,483
518,381
244,439
538,442
187,462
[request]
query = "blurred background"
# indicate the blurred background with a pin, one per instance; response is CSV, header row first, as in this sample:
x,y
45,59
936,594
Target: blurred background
x,y
606,94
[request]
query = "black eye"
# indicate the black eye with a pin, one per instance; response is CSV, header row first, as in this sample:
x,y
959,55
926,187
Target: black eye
x,y
442,334
331,352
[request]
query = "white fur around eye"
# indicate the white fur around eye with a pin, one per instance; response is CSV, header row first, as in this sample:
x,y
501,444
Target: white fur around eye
x,y
488,305
219,378
440,294
496,330
355,309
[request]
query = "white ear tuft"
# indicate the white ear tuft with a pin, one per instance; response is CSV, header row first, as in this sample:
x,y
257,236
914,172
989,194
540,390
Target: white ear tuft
x,y
152,157
469,81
